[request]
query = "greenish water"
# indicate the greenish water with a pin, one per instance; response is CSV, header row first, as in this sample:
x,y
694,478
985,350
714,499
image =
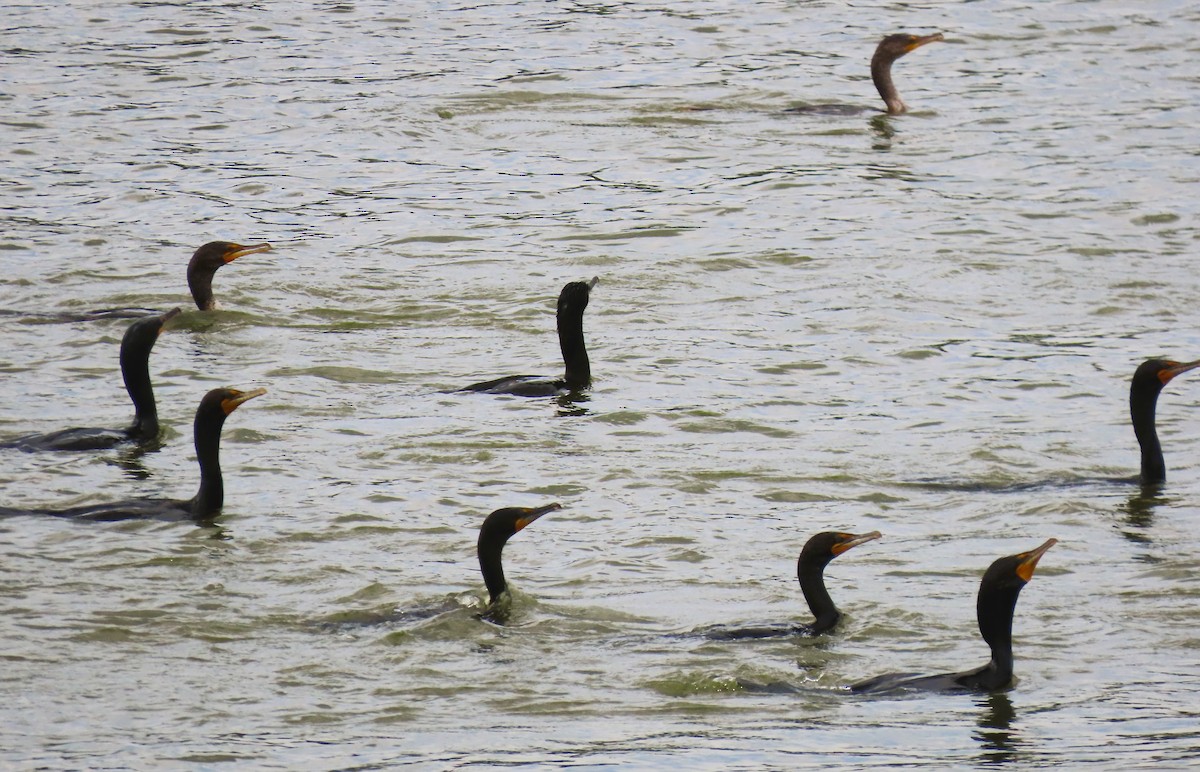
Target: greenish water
x,y
803,323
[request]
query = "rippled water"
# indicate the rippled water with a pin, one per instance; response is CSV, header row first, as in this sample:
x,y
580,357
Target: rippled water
x,y
802,323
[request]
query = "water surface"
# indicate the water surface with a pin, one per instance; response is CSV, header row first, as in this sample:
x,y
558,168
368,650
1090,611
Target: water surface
x,y
921,324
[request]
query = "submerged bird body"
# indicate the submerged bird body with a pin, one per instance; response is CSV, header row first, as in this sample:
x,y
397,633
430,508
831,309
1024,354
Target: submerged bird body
x,y
78,438
204,264
521,386
810,570
136,345
887,52
205,505
994,608
1148,382
572,302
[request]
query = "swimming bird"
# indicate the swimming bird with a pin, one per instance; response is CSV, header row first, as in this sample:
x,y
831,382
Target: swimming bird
x,y
136,345
810,570
201,268
201,508
571,303
205,262
888,51
495,532
497,529
994,607
1147,384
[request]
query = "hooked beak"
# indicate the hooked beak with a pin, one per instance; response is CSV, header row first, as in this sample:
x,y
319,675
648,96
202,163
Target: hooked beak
x,y
237,250
1030,560
168,316
231,403
925,40
529,515
852,541
1176,368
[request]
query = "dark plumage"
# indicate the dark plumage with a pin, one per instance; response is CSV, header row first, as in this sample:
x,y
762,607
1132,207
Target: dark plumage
x,y
994,608
204,506
204,264
493,535
888,51
572,302
201,268
810,570
1148,381
136,345
495,532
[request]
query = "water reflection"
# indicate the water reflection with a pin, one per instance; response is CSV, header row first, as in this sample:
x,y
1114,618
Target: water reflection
x,y
1138,512
999,743
568,404
882,128
784,291
216,532
129,459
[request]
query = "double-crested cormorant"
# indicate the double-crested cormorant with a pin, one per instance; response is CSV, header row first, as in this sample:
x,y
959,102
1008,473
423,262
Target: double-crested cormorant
x,y
888,51
493,535
994,609
139,339
205,505
205,262
495,532
571,303
1148,381
810,569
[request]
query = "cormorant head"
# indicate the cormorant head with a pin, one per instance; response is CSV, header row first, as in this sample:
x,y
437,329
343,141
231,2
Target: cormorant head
x,y
1015,571
145,331
997,599
214,254
493,534
895,46
503,523
1153,374
826,546
219,403
205,262
574,296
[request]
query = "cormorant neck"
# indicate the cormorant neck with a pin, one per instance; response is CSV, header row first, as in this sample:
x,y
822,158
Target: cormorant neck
x,y
570,340
200,283
491,567
812,584
1141,411
211,496
881,74
135,370
995,615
